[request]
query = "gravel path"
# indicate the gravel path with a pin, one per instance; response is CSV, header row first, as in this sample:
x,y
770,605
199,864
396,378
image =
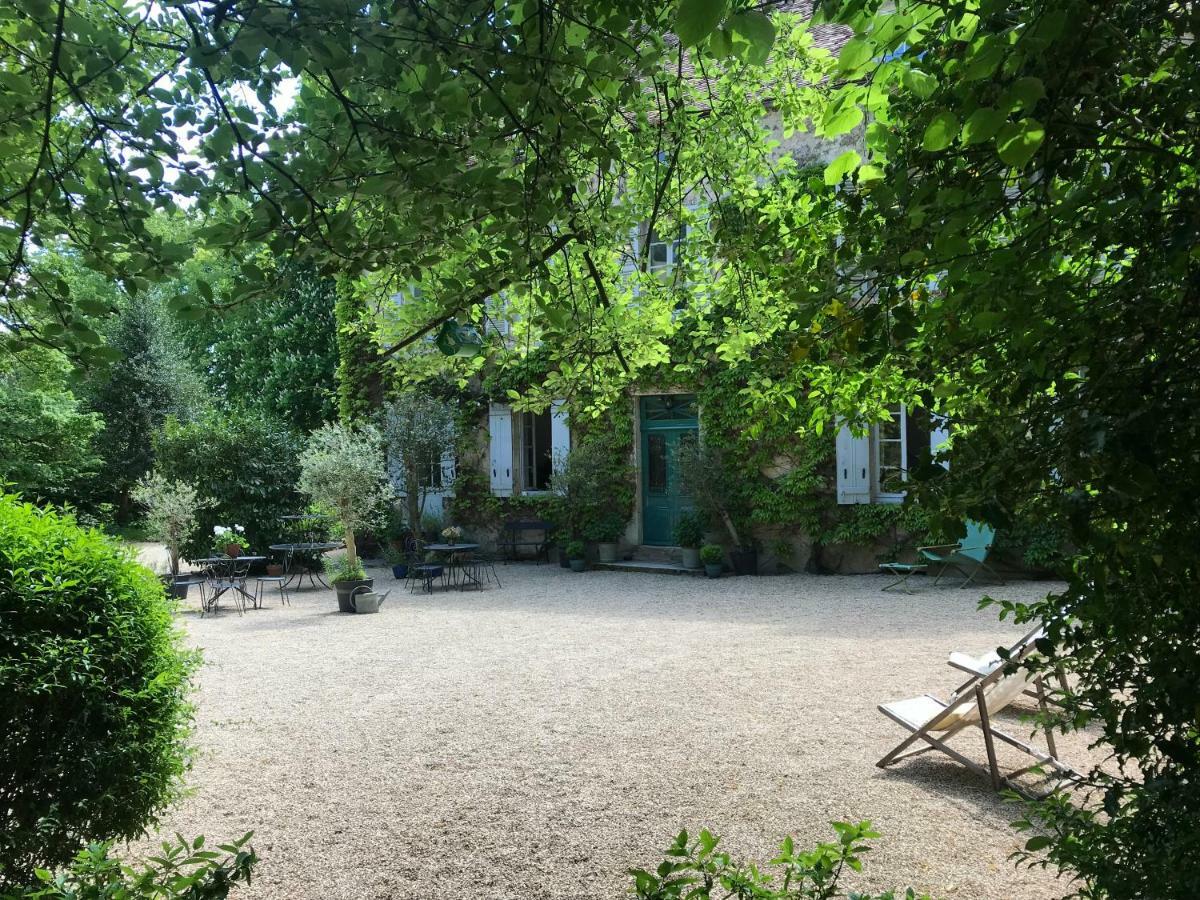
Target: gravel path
x,y
537,740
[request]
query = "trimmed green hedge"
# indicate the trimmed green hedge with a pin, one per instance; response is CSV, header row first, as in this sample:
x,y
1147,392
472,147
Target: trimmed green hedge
x,y
94,716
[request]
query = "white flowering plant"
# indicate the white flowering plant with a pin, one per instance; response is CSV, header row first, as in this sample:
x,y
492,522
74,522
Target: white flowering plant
x,y
223,536
452,533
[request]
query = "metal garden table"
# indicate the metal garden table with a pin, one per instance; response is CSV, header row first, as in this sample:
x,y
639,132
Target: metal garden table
x,y
304,550
451,564
223,578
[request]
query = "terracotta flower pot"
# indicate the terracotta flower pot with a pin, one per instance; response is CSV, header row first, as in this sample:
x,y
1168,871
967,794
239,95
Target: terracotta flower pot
x,y
233,550
274,570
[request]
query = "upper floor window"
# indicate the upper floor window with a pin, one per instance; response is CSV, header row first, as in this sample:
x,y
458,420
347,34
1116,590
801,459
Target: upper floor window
x,y
663,250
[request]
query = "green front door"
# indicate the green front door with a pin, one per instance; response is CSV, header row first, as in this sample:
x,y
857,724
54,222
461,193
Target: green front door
x,y
668,422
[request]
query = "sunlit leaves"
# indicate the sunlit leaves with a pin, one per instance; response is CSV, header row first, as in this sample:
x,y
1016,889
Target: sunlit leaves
x,y
940,132
981,125
758,31
1019,141
697,19
842,166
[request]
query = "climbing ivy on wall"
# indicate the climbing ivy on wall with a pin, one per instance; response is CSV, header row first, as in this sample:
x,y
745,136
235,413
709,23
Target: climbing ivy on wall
x,y
359,373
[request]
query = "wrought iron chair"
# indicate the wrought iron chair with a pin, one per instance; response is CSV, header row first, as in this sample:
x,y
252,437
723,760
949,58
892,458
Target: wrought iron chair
x,y
421,571
223,578
482,569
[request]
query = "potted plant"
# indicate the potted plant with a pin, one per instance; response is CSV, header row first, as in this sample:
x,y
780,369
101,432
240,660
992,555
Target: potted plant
x,y
398,560
346,577
230,541
345,469
704,475
171,508
712,556
608,530
575,555
689,535
452,534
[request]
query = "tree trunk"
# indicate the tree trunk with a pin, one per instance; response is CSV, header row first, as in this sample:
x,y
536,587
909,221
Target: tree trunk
x,y
351,549
732,530
412,497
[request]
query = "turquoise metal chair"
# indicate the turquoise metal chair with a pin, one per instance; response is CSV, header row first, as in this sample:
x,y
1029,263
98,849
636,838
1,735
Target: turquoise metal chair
x,y
969,557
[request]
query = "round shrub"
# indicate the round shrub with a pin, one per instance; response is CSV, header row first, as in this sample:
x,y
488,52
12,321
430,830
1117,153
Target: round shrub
x,y
94,716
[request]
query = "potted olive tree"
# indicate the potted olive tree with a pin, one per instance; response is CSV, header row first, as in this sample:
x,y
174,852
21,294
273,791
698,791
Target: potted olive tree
x,y
345,470
689,535
171,508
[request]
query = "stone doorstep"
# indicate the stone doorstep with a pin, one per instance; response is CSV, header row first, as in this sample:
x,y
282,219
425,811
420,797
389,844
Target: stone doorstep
x,y
647,566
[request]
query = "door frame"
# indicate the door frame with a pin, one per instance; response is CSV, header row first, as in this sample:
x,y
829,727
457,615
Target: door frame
x,y
641,441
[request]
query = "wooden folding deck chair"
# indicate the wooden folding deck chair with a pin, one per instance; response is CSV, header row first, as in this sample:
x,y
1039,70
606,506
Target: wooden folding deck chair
x,y
969,557
982,666
974,704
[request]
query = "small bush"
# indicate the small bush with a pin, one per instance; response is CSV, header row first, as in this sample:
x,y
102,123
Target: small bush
x,y
690,530
182,871
574,550
343,568
712,554
696,869
171,508
93,692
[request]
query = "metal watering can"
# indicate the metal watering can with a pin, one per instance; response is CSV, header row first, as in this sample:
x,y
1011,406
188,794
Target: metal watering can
x,y
364,600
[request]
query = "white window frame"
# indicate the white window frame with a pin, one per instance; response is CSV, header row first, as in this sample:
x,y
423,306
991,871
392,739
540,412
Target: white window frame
x,y
672,251
527,456
878,494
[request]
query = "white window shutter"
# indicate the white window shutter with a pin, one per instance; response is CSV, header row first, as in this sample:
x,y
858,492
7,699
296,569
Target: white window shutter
x,y
560,434
853,468
449,472
500,431
939,434
633,255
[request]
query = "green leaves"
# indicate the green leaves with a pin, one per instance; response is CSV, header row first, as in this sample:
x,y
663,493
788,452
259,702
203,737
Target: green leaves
x,y
920,83
840,167
1018,141
697,19
982,124
758,31
940,132
855,54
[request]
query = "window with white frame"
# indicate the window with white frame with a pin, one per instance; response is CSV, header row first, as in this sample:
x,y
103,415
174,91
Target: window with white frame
x,y
535,451
663,251
525,447
890,456
873,467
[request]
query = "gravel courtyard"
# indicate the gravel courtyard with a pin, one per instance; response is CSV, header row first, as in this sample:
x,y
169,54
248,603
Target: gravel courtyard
x,y
537,740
